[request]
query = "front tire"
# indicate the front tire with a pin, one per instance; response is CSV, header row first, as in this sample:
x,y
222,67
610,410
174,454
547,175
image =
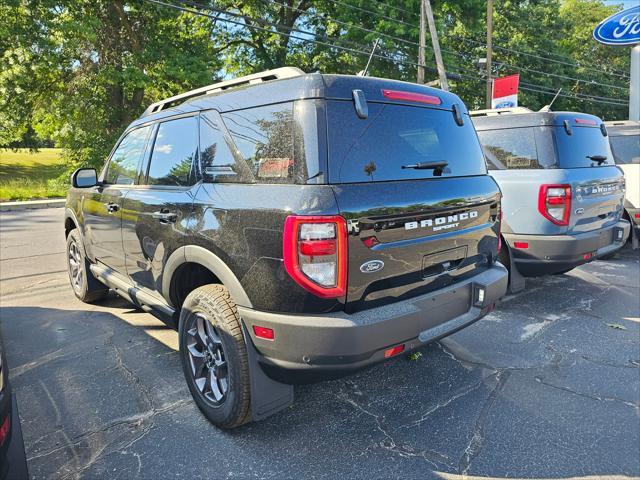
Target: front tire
x,y
214,356
85,286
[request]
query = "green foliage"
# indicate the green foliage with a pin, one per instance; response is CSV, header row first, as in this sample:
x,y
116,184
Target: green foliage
x,y
77,72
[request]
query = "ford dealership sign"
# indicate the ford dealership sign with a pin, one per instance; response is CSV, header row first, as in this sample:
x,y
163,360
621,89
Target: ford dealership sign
x,y
622,28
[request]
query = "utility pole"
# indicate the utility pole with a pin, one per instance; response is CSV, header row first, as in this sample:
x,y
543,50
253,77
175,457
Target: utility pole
x,y
426,5
421,45
489,50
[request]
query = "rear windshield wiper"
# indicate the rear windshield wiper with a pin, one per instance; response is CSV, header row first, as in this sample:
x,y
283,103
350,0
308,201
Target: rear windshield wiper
x,y
598,158
428,165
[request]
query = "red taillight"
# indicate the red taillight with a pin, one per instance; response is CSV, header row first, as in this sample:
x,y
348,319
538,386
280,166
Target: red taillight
x,y
4,429
315,253
411,97
390,352
264,332
554,203
522,245
637,215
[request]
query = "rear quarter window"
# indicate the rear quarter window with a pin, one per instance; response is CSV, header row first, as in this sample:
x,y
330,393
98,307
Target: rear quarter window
x,y
626,149
264,136
518,148
376,148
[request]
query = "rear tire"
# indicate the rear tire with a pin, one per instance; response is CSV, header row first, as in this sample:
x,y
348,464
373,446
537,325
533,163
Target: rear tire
x,y
214,356
85,286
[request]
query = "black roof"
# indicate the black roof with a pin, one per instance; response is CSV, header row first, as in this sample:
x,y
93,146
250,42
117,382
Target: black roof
x,y
533,119
309,86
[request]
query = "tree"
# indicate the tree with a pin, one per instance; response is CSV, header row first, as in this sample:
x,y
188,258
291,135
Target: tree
x,y
79,72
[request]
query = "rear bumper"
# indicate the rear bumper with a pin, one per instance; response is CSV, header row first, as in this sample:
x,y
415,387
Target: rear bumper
x,y
320,346
548,254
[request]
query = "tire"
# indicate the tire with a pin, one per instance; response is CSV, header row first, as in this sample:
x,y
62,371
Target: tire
x,y
85,286
214,356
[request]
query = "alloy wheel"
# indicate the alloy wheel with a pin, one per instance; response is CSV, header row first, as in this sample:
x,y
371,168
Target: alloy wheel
x,y
75,266
207,359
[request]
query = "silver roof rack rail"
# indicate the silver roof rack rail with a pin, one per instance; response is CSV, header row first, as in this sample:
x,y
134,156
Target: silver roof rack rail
x,y
276,74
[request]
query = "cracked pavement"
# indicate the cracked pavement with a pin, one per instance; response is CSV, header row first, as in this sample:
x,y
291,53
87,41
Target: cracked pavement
x,y
541,388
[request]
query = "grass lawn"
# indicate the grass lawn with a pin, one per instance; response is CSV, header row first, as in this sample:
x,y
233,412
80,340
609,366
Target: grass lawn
x,y
28,176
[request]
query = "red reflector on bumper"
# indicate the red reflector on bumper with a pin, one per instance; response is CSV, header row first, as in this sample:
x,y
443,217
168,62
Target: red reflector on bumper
x,y
390,352
264,332
520,244
587,256
637,215
4,429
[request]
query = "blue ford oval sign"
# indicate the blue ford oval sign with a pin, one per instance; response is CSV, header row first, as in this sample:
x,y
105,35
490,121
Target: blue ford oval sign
x,y
622,28
372,266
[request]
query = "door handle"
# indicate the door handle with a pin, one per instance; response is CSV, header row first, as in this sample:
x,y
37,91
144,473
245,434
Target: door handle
x,y
165,216
112,207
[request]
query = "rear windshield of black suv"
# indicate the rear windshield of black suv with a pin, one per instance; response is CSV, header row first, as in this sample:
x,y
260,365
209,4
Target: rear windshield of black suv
x,y
392,136
545,147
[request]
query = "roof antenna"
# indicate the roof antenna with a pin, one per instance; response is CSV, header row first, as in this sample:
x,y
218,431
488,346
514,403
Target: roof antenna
x,y
547,108
363,73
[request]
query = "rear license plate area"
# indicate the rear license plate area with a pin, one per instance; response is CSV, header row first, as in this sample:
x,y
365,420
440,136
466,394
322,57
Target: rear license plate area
x,y
444,261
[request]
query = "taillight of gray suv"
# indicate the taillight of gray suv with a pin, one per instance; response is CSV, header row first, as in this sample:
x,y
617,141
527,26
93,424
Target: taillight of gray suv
x,y
562,192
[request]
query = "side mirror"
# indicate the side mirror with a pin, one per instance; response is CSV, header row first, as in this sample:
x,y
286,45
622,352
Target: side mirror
x,y
84,178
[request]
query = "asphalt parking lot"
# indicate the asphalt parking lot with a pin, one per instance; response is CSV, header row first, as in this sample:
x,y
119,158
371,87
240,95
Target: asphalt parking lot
x,y
548,386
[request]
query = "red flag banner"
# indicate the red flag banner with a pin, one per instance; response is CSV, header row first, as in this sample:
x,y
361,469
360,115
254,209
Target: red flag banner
x,y
505,92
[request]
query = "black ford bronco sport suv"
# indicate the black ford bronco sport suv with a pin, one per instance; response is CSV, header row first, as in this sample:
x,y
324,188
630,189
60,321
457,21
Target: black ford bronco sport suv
x,y
293,228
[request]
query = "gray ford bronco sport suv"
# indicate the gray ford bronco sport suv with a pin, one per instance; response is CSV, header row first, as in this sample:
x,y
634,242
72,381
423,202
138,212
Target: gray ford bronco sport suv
x,y
563,193
293,228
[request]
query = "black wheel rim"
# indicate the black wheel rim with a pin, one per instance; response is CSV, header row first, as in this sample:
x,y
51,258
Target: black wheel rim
x,y
75,266
207,360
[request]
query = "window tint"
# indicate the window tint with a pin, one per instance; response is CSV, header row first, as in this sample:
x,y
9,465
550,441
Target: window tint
x,y
174,151
217,159
264,137
574,150
518,148
123,165
376,148
626,149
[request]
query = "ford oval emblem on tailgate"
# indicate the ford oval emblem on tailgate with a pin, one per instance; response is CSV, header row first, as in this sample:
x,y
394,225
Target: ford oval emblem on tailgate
x,y
372,266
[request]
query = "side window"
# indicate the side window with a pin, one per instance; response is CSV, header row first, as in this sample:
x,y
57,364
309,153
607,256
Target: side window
x,y
174,151
626,149
123,165
264,137
217,159
509,149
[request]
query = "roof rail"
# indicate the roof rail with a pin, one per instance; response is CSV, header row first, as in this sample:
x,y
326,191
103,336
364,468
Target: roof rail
x,y
276,74
498,111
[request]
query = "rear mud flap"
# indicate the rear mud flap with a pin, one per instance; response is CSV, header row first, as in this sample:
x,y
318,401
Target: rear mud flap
x,y
267,395
517,282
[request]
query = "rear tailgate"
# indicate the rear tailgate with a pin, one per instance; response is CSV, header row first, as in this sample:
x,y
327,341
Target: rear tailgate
x,y
411,230
421,238
597,186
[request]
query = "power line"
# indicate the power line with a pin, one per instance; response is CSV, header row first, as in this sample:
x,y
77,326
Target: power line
x,y
549,74
574,79
332,45
476,42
